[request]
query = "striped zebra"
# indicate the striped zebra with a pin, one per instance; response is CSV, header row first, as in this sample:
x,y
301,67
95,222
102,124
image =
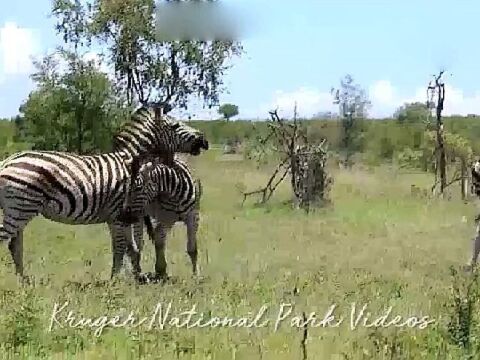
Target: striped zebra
x,y
80,189
171,194
475,188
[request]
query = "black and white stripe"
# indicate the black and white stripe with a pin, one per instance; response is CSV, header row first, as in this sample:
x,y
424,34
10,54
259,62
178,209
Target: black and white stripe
x,y
77,189
475,188
177,199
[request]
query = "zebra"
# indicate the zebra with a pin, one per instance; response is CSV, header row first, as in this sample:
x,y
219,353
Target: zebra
x,y
85,189
475,188
177,199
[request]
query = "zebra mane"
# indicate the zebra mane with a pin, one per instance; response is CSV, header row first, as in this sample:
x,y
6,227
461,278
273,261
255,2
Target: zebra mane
x,y
145,111
141,117
10,157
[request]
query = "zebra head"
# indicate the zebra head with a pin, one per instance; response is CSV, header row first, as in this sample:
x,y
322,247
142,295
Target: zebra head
x,y
186,139
475,169
149,132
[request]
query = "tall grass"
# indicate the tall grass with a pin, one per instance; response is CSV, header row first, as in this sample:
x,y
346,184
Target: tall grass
x,y
377,246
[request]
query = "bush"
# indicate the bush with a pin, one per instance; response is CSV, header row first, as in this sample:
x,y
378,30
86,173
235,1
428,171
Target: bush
x,y
408,158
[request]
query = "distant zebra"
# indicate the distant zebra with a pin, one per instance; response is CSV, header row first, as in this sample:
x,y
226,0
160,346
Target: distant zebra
x,y
177,199
475,188
75,189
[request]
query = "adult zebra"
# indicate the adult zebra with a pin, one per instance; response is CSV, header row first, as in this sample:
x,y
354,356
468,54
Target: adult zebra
x,y
177,198
78,189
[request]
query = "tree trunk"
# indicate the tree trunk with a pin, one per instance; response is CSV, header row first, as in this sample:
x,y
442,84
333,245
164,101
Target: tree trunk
x,y
442,163
464,181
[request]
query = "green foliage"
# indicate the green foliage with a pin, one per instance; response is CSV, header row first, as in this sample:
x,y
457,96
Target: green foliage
x,y
221,132
354,104
401,259
228,111
7,131
456,146
73,110
408,158
23,324
9,139
145,67
462,311
412,113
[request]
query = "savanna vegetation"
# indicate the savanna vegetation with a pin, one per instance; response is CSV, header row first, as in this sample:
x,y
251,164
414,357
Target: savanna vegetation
x,y
379,244
384,240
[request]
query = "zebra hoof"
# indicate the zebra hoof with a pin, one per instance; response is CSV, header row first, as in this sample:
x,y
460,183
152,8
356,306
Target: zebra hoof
x,y
158,278
26,280
143,279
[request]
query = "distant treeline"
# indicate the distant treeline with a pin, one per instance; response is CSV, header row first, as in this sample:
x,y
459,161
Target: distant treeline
x,y
379,140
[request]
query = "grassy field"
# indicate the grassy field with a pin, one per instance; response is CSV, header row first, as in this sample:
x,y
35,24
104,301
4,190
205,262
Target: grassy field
x,y
377,245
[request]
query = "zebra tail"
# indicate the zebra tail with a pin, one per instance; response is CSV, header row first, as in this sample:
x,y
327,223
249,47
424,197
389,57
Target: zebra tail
x,y
148,223
199,191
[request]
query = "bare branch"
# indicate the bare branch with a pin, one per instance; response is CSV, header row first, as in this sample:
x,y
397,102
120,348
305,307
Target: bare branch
x,y
268,190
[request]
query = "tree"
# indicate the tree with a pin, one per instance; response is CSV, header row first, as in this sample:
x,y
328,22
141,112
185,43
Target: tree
x,y
147,69
436,88
353,106
304,161
416,112
76,110
228,111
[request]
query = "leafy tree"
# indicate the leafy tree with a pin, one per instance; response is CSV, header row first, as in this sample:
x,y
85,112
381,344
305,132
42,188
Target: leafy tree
x,y
228,111
147,69
354,105
72,110
416,112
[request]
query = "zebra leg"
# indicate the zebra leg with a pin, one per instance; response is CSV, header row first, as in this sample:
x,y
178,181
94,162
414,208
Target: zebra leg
x,y
476,248
14,222
119,246
159,240
16,250
135,246
191,222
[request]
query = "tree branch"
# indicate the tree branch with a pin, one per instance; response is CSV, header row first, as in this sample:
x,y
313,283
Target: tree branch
x,y
269,188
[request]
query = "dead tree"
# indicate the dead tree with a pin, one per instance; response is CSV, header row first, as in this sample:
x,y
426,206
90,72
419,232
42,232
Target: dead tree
x,y
303,161
311,183
437,87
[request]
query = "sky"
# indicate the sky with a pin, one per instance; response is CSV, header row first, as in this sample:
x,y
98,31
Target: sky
x,y
296,51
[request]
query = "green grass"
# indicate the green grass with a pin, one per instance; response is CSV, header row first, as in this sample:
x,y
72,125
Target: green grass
x,y
376,245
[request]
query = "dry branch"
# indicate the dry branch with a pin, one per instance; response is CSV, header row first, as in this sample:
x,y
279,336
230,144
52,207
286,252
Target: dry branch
x,y
269,189
289,141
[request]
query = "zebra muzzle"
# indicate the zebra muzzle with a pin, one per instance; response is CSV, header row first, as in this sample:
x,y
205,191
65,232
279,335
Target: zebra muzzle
x,y
198,145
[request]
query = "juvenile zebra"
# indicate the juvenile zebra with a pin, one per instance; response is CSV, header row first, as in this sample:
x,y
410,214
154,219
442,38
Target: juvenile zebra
x,y
178,200
75,189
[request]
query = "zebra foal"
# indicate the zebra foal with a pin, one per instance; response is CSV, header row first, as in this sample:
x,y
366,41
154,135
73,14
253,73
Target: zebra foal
x,y
178,200
78,189
175,197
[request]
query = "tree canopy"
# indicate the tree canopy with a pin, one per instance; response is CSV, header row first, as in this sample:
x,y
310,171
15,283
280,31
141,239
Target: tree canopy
x,y
73,109
416,112
147,69
228,111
